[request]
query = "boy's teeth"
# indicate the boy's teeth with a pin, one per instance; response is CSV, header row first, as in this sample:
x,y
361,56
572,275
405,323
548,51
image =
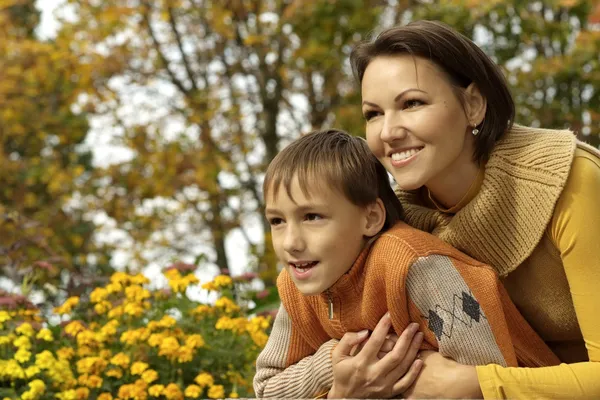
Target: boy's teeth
x,y
403,155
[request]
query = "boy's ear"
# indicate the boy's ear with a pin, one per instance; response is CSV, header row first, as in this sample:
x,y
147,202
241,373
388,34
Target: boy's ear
x,y
475,104
375,218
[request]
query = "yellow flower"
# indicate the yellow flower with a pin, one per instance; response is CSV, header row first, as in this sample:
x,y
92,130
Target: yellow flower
x,y
22,355
38,386
91,365
216,392
120,360
156,390
105,396
67,395
222,281
82,393
149,376
139,279
67,306
45,334
4,316
98,294
138,367
172,392
73,328
86,338
202,309
120,278
136,293
227,305
22,342
193,391
116,312
12,369
102,307
44,360
114,287
114,373
167,322
6,339
25,329
172,274
194,341
204,379
32,371
234,395
168,347
209,286
110,328
156,339
185,354
259,338
94,382
133,309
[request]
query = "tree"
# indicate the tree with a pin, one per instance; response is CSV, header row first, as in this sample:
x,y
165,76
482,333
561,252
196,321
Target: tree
x,y
45,235
225,84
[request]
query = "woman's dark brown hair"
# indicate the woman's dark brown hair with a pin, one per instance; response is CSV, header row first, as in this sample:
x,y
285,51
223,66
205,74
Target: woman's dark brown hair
x,y
463,62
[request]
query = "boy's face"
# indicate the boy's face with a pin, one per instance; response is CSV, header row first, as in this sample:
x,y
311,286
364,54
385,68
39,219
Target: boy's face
x,y
317,238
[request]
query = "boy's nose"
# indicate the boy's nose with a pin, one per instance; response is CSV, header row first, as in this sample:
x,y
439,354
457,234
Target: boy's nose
x,y
293,242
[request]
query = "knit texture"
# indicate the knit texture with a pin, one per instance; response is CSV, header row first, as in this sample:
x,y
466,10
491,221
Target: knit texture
x,y
458,302
523,180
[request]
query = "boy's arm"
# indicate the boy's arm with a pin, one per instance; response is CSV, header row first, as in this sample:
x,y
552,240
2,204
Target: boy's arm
x,y
309,377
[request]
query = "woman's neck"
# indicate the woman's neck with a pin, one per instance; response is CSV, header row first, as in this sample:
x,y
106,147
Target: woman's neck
x,y
450,187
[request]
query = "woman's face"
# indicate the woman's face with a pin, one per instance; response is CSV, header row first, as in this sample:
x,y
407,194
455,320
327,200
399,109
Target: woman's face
x,y
416,125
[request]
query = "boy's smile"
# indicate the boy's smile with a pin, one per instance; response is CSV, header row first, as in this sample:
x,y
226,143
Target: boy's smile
x,y
317,236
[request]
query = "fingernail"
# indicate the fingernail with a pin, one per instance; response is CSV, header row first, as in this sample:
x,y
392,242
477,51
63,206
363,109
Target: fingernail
x,y
414,325
420,336
363,333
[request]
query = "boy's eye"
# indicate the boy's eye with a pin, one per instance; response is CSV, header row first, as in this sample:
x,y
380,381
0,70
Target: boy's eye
x,y
275,221
313,217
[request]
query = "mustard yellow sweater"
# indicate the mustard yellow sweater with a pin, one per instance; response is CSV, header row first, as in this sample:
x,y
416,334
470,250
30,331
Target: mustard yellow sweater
x,y
535,217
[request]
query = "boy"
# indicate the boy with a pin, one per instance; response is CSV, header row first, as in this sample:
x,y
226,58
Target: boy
x,y
336,227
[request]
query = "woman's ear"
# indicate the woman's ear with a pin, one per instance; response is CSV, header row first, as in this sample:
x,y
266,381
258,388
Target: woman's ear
x,y
475,104
375,218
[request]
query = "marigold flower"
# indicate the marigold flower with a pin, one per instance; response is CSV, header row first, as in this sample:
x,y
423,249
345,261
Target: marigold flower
x,y
94,382
74,327
234,395
156,390
116,312
45,334
185,354
193,391
227,305
168,347
22,342
6,339
167,322
172,392
12,369
67,306
98,294
67,395
120,360
156,339
105,396
91,365
44,360
22,355
216,392
4,316
138,367
32,371
102,307
195,341
202,309
86,338
25,329
149,376
114,373
222,281
82,393
204,379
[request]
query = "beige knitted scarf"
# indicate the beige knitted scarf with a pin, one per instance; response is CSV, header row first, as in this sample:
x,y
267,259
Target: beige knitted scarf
x,y
503,224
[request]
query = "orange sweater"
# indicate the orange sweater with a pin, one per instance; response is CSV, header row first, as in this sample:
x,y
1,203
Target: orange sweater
x,y
461,307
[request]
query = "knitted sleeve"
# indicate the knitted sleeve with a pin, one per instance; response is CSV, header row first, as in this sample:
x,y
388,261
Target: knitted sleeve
x,y
575,231
309,377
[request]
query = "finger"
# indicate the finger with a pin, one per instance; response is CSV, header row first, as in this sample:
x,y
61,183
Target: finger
x,y
348,342
404,352
411,355
388,344
373,345
408,379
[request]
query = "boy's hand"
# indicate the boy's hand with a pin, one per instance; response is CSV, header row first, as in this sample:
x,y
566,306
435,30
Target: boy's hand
x,y
366,375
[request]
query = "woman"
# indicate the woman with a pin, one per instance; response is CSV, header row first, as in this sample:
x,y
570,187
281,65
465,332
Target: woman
x,y
440,119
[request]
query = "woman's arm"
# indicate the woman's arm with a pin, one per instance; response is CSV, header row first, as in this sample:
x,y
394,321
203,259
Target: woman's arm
x,y
575,231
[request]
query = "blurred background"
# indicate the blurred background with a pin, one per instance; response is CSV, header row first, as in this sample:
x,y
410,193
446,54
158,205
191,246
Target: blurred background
x,y
135,133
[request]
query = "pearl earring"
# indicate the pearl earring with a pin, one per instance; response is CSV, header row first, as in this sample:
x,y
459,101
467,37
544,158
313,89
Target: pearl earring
x,y
475,131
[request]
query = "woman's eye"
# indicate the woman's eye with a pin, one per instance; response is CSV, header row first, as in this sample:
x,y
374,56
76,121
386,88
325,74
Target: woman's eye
x,y
370,115
412,103
275,221
313,217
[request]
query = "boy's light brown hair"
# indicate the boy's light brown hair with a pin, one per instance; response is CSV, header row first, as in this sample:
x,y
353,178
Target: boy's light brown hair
x,y
337,160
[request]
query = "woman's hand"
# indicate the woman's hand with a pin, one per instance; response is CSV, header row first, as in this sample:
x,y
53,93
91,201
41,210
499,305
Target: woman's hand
x,y
367,375
444,377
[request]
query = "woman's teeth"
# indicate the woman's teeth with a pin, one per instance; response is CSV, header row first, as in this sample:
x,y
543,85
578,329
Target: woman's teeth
x,y
403,155
304,266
